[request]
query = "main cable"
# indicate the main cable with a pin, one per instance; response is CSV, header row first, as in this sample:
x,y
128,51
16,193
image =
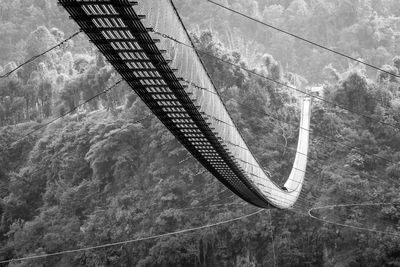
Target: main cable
x,y
304,39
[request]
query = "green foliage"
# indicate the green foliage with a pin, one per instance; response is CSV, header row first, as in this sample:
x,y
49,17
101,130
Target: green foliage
x,y
99,177
354,92
55,83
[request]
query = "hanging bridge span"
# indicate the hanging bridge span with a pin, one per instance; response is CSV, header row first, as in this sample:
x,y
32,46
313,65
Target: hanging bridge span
x,y
172,81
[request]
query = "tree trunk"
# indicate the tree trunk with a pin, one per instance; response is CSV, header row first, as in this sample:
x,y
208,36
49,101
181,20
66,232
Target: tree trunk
x,y
27,109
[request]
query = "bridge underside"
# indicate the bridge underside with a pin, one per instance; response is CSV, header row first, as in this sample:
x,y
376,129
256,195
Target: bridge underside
x,y
131,47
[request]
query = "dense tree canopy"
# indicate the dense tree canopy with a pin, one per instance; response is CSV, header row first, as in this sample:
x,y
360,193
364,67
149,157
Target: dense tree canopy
x,y
368,30
110,171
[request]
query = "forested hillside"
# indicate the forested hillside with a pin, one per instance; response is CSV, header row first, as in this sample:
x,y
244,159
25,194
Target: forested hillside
x,y
110,171
368,30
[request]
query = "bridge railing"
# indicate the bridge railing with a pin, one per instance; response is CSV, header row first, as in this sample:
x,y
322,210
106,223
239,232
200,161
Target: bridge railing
x,y
163,18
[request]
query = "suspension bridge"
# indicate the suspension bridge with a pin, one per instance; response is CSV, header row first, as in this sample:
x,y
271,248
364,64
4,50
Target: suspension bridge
x,y
148,45
172,81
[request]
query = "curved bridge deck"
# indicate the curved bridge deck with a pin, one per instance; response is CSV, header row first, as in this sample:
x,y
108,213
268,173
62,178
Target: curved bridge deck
x,y
156,68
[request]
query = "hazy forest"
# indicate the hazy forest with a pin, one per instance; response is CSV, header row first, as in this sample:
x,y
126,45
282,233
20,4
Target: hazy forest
x,y
110,171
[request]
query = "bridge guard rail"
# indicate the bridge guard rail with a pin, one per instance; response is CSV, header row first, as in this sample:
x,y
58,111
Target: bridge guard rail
x,y
156,67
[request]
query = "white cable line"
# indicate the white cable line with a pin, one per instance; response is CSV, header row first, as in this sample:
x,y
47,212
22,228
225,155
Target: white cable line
x,y
134,240
347,225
